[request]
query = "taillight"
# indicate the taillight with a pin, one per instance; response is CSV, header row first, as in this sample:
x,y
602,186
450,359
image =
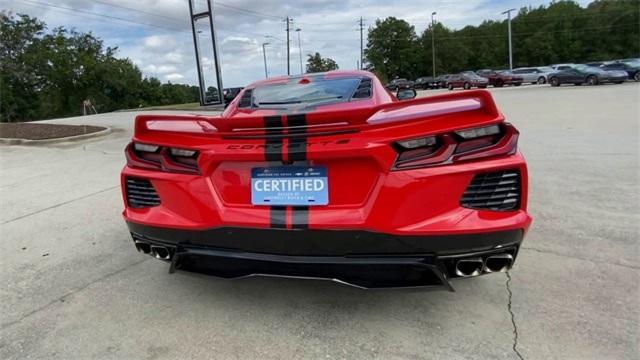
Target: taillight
x,y
154,157
460,145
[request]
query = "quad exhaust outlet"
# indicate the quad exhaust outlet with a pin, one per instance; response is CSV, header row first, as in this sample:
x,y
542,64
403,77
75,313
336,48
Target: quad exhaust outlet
x,y
498,263
160,252
469,267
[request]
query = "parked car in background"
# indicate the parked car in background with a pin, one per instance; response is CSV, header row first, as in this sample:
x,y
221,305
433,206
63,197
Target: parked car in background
x,y
500,78
426,82
630,67
441,80
399,83
466,80
534,75
579,74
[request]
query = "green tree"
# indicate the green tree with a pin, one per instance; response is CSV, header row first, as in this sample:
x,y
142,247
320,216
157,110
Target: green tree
x,y
316,63
392,49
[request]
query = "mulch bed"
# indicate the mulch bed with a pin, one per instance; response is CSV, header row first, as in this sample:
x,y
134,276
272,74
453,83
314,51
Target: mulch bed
x,y
31,131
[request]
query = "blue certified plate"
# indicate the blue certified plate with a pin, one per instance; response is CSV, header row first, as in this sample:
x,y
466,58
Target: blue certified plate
x,y
289,185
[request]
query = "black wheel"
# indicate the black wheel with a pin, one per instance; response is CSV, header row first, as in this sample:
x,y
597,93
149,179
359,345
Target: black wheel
x,y
592,80
554,81
636,76
467,86
425,87
450,86
498,83
517,84
542,80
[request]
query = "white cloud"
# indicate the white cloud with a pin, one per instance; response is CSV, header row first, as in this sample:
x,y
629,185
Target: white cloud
x,y
174,77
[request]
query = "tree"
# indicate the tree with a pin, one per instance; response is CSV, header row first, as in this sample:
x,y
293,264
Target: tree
x,y
316,63
392,48
48,74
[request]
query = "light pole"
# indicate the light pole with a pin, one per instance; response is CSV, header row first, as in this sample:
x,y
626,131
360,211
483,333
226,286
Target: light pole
x,y
433,44
264,56
508,12
300,49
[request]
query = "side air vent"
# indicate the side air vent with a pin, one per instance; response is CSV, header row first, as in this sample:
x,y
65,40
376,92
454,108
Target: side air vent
x,y
245,100
140,193
498,191
364,89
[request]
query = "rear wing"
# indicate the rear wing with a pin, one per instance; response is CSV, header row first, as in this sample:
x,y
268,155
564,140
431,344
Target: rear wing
x,y
477,105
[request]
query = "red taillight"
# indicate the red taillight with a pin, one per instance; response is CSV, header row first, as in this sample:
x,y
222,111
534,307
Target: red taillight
x,y
461,145
153,157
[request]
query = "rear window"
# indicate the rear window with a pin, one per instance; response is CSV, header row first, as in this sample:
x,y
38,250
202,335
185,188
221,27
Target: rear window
x,y
312,92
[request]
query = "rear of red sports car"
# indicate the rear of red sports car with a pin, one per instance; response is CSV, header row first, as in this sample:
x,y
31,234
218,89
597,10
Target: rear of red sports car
x,y
329,176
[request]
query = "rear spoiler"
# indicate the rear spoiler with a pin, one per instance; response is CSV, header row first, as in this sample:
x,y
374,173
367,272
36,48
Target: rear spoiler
x,y
479,101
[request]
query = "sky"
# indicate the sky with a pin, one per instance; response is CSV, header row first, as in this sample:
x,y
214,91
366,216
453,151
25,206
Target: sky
x,y
156,34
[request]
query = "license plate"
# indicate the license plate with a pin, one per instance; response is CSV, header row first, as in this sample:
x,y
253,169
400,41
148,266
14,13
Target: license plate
x,y
289,185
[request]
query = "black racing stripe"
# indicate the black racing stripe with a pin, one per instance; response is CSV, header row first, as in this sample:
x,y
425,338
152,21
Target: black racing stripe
x,y
297,151
297,148
277,217
273,145
300,217
273,153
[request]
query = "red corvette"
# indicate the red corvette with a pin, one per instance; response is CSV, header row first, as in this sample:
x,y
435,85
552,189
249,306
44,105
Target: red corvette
x,y
330,176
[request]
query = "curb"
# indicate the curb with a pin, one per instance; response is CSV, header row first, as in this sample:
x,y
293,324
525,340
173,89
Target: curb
x,y
5,141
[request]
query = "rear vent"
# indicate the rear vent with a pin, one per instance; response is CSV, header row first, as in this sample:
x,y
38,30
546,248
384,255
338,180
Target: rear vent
x,y
140,193
364,89
245,100
493,191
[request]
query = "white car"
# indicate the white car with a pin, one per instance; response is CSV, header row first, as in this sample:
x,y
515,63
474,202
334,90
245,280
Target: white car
x,y
534,75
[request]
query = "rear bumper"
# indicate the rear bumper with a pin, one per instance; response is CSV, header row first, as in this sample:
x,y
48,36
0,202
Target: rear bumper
x,y
358,258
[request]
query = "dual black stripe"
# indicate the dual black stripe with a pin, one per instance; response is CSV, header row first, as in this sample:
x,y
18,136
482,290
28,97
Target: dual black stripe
x,y
297,151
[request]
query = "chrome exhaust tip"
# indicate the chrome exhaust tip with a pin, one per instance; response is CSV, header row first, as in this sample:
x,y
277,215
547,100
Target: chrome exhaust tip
x,y
469,267
498,263
160,252
143,247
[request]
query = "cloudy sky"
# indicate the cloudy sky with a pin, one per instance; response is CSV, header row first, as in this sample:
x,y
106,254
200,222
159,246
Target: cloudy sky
x,y
156,34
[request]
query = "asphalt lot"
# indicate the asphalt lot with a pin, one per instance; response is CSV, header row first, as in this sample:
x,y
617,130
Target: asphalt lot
x,y
75,288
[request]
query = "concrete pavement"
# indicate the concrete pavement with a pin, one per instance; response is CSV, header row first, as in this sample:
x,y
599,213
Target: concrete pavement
x,y
74,287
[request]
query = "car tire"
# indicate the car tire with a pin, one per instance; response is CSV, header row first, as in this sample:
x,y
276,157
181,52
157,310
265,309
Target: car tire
x,y
450,86
517,84
636,76
592,80
542,80
554,81
498,83
466,86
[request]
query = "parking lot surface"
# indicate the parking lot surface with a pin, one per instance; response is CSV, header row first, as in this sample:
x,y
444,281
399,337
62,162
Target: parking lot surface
x,y
75,288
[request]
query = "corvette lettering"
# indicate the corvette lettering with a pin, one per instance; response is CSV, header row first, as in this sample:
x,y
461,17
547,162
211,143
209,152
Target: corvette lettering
x,y
280,145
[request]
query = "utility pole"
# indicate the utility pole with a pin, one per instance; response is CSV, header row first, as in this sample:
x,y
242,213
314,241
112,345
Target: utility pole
x,y
508,12
288,20
300,50
264,56
361,50
433,44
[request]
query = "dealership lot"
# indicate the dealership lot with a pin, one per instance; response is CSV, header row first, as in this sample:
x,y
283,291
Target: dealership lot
x,y
74,287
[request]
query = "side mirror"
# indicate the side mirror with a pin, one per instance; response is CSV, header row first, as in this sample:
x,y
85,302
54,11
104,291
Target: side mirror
x,y
406,94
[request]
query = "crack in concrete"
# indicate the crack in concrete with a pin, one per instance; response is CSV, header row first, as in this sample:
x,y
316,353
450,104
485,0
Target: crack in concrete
x,y
60,204
634,267
513,318
71,292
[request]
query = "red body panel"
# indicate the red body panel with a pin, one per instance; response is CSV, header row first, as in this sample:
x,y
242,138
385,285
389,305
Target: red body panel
x,y
365,192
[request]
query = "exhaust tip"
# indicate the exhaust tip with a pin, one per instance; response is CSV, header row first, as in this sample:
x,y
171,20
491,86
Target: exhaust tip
x,y
160,252
498,263
469,267
143,247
